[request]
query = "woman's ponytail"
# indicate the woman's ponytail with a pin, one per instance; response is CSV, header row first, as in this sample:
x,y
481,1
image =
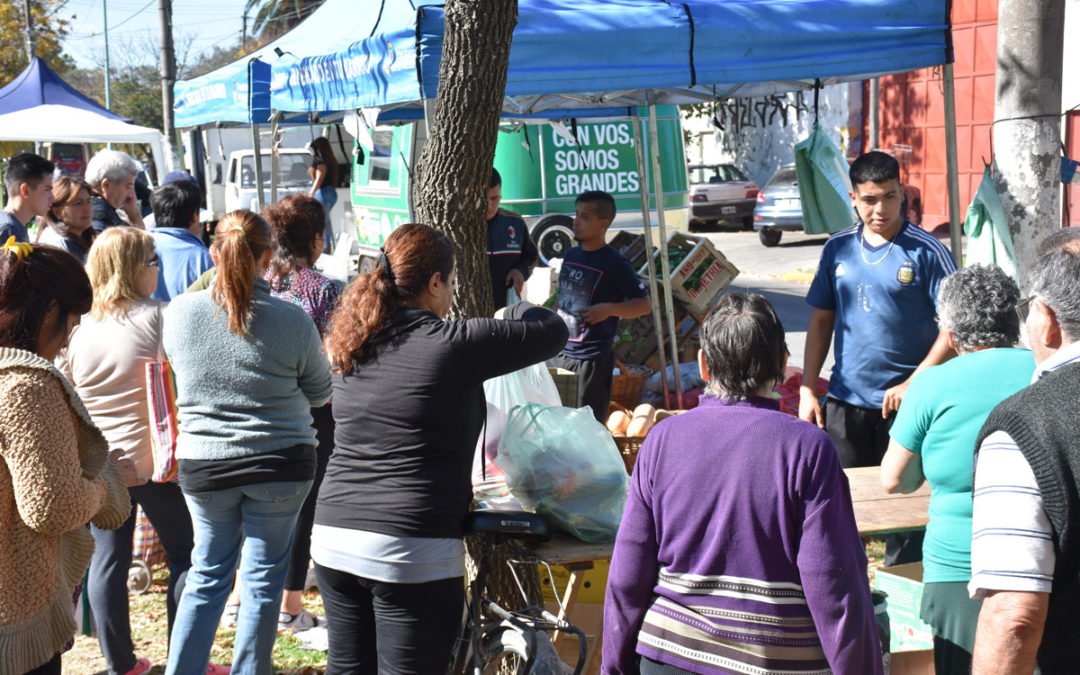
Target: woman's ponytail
x,y
408,259
242,238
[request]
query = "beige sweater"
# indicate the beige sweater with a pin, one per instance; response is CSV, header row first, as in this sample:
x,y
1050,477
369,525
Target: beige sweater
x,y
55,477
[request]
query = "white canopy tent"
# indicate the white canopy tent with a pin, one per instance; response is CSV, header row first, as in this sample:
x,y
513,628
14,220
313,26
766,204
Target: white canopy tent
x,y
67,124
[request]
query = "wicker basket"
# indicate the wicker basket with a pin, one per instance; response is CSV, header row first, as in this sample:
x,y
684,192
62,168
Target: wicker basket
x,y
628,448
626,387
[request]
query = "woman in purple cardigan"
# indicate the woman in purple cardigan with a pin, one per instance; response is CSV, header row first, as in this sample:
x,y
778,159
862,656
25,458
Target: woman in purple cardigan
x,y
738,550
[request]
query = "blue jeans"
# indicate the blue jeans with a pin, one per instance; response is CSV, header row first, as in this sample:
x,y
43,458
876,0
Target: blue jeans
x,y
260,519
327,196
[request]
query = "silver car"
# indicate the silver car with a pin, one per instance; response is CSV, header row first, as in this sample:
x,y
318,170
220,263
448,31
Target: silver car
x,y
779,206
721,192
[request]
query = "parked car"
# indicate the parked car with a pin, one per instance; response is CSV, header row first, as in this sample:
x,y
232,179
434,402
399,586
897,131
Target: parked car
x,y
779,206
721,192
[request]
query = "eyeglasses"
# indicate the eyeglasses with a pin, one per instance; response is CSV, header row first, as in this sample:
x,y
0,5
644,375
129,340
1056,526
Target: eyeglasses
x,y
153,262
1024,308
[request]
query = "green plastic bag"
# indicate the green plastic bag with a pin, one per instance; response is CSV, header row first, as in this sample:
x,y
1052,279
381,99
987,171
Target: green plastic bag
x,y
824,185
989,240
562,463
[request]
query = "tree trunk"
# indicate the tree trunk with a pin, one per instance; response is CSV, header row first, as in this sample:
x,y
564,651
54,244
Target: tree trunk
x,y
452,179
455,167
1027,130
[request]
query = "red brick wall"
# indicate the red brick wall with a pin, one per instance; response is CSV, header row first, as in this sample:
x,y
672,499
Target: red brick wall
x,y
912,112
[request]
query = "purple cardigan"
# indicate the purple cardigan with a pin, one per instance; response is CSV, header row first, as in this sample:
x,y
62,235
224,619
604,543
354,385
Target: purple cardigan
x,y
738,547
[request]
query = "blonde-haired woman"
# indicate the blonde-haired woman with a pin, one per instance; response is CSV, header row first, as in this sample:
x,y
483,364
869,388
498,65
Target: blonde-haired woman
x,y
106,361
248,369
67,224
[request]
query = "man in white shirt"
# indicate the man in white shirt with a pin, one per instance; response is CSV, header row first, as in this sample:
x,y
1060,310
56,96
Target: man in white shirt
x,y
1022,554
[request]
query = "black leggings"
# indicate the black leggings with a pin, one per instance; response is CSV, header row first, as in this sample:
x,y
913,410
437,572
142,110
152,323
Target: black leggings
x,y
323,417
390,629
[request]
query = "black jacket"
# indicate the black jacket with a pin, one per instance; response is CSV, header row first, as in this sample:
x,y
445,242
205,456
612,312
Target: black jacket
x,y
509,247
407,421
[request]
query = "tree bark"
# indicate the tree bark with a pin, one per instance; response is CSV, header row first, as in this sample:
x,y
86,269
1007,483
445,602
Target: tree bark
x,y
1027,130
455,166
453,177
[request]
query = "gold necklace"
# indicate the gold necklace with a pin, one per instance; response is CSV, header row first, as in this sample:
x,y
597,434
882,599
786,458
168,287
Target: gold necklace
x,y
862,249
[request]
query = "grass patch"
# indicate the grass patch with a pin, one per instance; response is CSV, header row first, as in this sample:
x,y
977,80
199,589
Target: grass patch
x,y
149,633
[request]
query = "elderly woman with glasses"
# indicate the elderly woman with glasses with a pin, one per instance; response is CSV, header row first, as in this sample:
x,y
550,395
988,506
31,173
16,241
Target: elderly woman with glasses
x,y
933,440
106,361
738,550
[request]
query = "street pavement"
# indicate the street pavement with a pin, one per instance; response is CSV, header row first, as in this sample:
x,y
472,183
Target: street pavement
x,y
780,273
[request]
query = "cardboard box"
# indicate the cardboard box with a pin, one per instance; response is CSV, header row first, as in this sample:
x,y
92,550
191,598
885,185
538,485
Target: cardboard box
x,y
903,584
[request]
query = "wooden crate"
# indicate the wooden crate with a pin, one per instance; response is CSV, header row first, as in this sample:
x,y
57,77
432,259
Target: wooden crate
x,y
702,273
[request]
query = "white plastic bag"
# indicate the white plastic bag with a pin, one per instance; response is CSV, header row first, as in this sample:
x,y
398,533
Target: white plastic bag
x,y
533,384
563,464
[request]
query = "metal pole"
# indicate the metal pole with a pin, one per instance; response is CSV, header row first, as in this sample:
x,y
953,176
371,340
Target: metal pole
x,y
665,262
258,165
646,223
29,34
952,167
274,159
105,23
875,116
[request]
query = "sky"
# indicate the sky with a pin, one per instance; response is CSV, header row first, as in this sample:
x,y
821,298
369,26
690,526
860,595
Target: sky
x,y
203,24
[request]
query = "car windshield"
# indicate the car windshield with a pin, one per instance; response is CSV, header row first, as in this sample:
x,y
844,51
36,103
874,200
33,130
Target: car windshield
x,y
785,176
292,170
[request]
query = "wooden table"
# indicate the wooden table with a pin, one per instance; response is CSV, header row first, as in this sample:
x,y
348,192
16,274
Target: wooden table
x,y
876,513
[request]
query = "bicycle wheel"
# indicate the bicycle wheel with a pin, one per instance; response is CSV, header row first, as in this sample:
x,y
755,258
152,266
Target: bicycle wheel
x,y
505,652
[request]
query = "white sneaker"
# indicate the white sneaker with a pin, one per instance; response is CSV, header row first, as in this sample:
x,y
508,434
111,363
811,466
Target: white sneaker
x,y
299,623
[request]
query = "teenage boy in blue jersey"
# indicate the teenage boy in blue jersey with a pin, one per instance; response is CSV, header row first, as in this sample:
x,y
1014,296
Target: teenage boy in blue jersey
x,y
876,291
597,287
511,252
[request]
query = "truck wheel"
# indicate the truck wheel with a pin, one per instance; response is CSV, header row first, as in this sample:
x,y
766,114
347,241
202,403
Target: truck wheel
x,y
769,236
554,236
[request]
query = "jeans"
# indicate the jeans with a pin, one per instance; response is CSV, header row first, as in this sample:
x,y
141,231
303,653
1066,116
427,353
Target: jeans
x,y
260,519
107,583
327,196
391,629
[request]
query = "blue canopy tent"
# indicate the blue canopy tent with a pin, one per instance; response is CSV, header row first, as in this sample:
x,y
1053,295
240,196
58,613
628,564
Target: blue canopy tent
x,y
38,85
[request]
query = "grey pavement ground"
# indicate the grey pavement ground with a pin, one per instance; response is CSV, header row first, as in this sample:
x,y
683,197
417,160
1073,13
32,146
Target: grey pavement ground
x,y
780,273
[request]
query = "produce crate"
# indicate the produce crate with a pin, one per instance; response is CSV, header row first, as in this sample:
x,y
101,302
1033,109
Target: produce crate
x,y
631,245
699,272
636,340
566,381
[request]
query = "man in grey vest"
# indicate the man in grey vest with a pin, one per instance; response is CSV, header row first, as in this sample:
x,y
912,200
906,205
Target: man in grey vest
x,y
1025,557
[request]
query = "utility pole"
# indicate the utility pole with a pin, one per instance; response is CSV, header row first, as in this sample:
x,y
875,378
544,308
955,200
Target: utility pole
x,y
1027,121
168,77
105,23
29,34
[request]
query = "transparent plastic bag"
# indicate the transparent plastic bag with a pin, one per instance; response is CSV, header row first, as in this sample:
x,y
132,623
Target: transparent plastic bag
x,y
563,464
533,384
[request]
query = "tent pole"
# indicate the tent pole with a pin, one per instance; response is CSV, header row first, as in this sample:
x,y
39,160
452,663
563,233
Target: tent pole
x,y
274,159
261,198
646,223
952,166
665,262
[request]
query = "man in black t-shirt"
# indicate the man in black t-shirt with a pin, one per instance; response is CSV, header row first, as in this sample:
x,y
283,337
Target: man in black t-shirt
x,y
597,287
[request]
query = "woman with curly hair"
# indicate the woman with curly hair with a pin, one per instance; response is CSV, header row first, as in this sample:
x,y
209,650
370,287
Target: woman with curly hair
x,y
55,463
933,440
408,405
298,222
